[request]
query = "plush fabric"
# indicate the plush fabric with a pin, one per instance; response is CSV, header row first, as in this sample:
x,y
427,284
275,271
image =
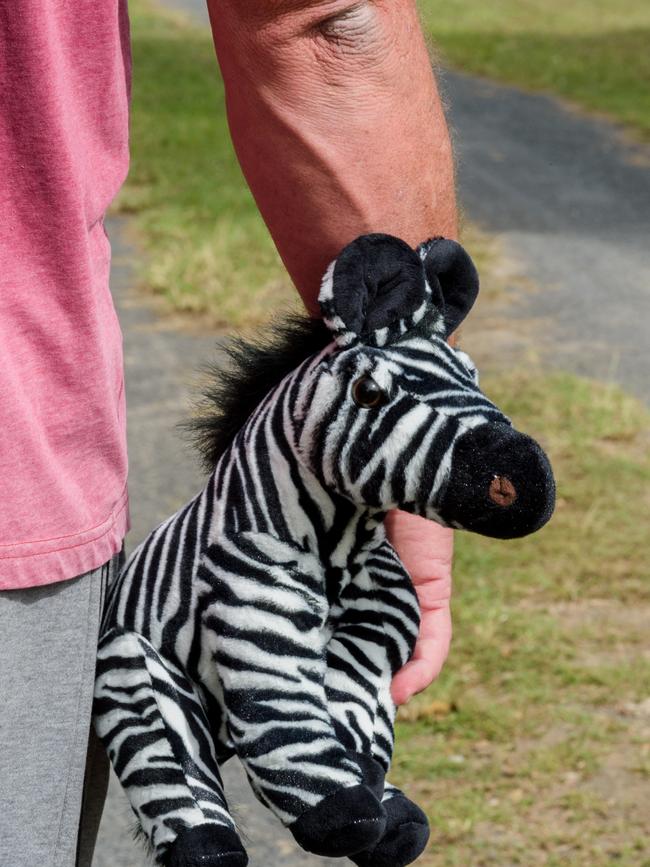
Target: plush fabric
x,y
405,837
196,846
452,277
269,615
378,281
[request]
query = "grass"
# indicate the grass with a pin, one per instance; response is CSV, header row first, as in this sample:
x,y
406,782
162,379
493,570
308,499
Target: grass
x,y
209,252
533,747
592,52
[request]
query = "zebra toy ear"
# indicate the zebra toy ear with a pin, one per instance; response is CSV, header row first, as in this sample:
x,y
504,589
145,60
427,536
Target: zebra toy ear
x,y
452,277
374,291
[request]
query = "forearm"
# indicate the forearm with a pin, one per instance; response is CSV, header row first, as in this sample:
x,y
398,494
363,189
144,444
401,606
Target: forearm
x,y
337,124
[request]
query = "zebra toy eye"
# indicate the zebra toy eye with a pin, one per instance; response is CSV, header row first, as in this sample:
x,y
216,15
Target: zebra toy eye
x,y
367,393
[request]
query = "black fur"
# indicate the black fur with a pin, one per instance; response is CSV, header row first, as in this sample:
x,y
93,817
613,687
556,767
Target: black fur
x,y
252,370
141,839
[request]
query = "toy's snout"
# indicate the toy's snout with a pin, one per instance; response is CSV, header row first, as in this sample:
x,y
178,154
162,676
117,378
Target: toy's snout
x,y
501,483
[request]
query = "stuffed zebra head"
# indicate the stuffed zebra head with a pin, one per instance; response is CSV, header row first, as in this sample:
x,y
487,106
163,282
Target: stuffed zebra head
x,y
395,417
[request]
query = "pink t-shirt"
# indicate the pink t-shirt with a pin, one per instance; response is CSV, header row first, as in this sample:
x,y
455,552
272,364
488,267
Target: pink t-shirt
x,y
64,82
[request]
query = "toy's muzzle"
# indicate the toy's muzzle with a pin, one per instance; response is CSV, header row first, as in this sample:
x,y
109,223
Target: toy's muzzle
x,y
501,484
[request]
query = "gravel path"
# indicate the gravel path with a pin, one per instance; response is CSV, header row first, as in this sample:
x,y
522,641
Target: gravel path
x,y
570,199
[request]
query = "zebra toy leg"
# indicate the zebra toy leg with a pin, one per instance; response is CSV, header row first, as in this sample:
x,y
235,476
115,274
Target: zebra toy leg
x,y
156,734
374,637
407,827
267,626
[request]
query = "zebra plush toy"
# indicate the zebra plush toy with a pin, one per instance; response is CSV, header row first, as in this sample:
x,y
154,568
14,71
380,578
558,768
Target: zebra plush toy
x,y
268,616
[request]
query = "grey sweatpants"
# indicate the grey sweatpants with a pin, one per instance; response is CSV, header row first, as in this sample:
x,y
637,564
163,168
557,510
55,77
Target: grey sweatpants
x,y
53,770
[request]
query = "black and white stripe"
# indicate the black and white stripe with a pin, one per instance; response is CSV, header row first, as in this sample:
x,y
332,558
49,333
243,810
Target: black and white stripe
x,y
271,606
269,615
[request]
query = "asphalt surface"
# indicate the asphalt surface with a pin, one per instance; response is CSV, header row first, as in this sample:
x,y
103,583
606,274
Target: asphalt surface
x,y
568,197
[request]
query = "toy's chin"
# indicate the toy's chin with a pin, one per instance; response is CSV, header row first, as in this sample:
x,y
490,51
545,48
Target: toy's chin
x,y
501,484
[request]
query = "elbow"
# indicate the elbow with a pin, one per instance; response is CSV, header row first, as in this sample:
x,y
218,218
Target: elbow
x,y
339,58
331,27
356,27
341,41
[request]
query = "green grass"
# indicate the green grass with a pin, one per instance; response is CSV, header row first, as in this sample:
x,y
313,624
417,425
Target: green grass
x,y
209,252
592,52
532,747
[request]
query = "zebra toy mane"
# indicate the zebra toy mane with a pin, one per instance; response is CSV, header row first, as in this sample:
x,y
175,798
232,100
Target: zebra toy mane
x,y
253,369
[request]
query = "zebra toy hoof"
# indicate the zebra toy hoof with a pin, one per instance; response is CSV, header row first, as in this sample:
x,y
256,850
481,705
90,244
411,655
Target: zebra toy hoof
x,y
206,846
346,822
405,839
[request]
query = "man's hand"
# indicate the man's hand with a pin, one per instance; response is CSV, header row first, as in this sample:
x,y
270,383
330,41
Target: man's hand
x,y
426,550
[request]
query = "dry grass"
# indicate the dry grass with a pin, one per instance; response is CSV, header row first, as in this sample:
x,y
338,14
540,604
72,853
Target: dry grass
x,y
209,253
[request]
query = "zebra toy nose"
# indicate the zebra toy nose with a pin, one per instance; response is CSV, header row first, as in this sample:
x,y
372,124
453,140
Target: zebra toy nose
x,y
502,491
501,483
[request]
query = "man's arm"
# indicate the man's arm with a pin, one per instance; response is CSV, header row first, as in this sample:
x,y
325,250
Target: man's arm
x,y
337,123
338,126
